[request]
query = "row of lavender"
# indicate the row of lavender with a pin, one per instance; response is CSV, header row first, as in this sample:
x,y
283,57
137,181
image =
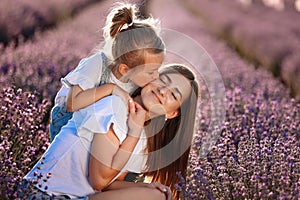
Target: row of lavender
x,y
20,18
257,154
268,37
29,76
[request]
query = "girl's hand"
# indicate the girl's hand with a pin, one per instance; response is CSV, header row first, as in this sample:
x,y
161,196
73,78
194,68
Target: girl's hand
x,y
136,118
162,188
121,93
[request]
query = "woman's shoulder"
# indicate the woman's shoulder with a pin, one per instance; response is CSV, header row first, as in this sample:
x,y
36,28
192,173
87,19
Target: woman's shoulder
x,y
98,117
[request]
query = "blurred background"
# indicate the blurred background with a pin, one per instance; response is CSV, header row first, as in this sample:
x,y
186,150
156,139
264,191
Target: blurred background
x,y
264,32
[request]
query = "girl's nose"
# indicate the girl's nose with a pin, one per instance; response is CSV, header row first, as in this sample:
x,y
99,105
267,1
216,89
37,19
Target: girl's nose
x,y
155,75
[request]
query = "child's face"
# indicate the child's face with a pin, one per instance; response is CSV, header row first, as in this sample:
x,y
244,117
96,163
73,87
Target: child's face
x,y
144,74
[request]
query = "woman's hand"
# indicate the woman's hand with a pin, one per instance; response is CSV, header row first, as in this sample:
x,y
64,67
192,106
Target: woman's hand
x,y
136,118
121,93
162,188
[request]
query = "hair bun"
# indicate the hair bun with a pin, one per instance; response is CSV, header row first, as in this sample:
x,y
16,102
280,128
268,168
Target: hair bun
x,y
118,17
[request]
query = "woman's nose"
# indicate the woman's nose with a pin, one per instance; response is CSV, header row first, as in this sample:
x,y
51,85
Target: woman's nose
x,y
163,90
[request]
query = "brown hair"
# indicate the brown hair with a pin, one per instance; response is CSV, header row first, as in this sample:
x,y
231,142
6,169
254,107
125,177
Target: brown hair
x,y
175,137
131,37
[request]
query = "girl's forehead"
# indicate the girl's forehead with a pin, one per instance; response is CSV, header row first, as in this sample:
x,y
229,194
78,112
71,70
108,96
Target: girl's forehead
x,y
151,67
154,58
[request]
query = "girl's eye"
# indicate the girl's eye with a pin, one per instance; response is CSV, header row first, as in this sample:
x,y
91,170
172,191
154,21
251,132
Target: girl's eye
x,y
150,73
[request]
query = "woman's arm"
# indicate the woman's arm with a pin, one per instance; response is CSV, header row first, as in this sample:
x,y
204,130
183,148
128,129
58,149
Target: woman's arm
x,y
116,185
108,156
124,184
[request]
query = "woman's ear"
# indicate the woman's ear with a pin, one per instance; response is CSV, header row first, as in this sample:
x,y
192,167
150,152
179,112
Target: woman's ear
x,y
172,114
123,69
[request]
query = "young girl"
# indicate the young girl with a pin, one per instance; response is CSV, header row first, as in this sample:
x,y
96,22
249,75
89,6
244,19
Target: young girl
x,y
137,52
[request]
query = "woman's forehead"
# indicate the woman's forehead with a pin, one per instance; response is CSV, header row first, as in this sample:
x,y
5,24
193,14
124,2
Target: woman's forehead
x,y
177,78
172,76
178,81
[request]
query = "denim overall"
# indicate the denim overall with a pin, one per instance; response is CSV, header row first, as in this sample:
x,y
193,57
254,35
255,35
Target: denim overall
x,y
59,114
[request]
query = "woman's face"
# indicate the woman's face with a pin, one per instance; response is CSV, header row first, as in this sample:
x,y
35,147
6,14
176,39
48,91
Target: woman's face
x,y
166,94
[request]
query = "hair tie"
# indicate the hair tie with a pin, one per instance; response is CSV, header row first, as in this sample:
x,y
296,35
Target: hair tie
x,y
126,26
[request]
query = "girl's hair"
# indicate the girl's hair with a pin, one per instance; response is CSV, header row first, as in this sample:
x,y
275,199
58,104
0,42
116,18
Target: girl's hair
x,y
130,36
169,148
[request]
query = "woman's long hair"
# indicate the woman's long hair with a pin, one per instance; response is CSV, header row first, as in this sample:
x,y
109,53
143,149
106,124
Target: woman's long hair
x,y
168,149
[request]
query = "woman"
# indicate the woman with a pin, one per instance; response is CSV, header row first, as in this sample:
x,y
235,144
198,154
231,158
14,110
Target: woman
x,y
97,147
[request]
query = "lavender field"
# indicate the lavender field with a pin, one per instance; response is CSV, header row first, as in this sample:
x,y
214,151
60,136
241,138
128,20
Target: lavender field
x,y
256,149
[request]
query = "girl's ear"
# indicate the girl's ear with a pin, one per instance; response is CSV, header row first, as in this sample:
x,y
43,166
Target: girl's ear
x,y
123,69
172,114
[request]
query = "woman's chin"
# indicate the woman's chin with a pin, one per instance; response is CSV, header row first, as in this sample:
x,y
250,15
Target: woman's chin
x,y
156,110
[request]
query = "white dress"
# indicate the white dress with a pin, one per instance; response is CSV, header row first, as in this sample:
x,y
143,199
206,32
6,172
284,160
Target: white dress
x,y
68,155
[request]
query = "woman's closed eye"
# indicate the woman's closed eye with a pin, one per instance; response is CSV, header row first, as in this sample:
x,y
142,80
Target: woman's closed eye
x,y
164,79
176,94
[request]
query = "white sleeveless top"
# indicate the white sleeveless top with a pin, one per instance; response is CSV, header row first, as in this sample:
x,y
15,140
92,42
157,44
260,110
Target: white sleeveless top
x,y
68,155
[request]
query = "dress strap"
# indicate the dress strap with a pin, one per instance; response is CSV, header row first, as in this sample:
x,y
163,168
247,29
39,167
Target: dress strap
x,y
106,69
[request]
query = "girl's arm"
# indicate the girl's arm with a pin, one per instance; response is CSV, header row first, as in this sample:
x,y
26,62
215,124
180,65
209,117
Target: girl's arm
x,y
108,156
78,98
